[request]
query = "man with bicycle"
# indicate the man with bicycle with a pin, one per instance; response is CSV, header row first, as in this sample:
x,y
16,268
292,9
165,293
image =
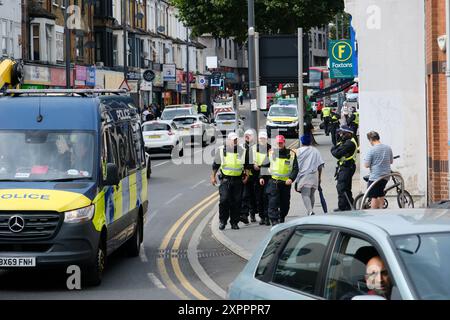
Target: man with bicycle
x,y
379,159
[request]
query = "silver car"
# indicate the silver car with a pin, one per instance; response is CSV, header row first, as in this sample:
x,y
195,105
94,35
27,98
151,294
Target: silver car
x,y
225,122
196,128
331,257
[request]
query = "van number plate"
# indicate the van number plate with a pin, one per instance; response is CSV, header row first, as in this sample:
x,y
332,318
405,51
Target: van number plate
x,y
17,262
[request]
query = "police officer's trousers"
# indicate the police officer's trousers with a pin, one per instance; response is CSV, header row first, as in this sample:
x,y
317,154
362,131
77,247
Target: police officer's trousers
x,y
279,199
344,186
262,200
248,198
333,131
326,123
230,191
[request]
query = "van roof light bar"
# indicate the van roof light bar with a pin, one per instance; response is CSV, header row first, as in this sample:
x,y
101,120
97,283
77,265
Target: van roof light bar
x,y
84,92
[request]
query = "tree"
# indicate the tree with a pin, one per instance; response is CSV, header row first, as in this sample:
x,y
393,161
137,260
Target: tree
x,y
228,18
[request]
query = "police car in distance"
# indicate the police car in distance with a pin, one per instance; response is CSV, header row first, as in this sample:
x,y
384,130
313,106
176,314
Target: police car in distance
x,y
73,179
282,119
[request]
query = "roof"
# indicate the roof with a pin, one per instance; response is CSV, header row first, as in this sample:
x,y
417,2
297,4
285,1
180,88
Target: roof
x,y
158,121
174,106
59,113
393,222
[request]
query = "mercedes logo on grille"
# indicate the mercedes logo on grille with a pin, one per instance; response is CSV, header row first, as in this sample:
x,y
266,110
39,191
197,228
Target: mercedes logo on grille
x,y
16,224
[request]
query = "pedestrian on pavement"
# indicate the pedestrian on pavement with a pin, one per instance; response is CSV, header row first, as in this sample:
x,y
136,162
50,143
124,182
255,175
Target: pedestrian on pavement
x,y
145,113
345,151
230,160
260,153
326,118
204,110
241,97
283,171
310,164
379,159
248,206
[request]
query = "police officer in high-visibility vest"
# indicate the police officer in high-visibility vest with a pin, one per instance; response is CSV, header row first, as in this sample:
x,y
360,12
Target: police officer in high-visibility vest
x,y
353,123
230,160
248,206
204,109
345,151
326,117
260,152
283,169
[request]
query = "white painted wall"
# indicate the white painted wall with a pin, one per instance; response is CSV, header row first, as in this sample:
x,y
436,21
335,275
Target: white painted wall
x,y
391,40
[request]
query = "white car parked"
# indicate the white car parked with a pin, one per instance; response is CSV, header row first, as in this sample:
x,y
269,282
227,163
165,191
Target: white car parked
x,y
196,128
162,136
225,122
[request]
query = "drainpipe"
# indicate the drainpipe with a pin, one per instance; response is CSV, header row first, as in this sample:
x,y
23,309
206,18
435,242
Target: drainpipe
x,y
448,76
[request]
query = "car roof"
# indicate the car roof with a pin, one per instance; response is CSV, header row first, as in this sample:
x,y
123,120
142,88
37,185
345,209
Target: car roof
x,y
293,106
176,106
158,121
187,116
394,222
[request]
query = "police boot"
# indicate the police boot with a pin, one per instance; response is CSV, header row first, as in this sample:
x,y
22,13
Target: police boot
x,y
252,217
244,219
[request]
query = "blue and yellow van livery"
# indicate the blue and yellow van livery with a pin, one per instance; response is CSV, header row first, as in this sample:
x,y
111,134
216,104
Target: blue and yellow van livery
x,y
73,181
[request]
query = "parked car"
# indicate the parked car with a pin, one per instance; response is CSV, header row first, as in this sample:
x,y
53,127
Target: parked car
x,y
162,136
196,128
325,257
225,122
174,111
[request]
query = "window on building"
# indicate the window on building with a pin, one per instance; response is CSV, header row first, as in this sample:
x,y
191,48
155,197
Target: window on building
x,y
98,47
79,46
50,39
59,46
115,51
229,50
226,48
36,46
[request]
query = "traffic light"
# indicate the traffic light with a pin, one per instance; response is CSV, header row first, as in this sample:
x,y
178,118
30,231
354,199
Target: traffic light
x,y
222,84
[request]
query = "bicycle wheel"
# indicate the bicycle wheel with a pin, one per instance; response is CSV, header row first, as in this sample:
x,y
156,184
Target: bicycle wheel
x,y
408,200
358,200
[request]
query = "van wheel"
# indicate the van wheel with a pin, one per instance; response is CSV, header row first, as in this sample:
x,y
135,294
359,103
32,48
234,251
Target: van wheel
x,y
93,272
133,245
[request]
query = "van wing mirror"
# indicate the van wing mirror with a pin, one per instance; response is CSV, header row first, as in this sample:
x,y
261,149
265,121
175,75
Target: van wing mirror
x,y
112,175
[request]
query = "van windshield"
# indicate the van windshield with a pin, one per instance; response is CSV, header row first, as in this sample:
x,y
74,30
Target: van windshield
x,y
46,155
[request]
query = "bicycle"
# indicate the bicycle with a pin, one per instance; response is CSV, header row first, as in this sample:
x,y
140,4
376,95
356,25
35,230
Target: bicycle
x,y
404,199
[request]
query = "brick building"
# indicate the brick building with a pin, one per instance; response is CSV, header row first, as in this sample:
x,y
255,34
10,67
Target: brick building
x,y
438,142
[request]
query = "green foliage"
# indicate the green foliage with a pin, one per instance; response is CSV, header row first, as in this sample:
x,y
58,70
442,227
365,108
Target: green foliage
x,y
228,18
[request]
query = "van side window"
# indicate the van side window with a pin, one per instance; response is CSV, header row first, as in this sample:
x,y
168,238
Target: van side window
x,y
120,141
138,144
131,151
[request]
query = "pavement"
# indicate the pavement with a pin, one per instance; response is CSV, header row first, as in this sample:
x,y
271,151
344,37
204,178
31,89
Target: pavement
x,y
244,242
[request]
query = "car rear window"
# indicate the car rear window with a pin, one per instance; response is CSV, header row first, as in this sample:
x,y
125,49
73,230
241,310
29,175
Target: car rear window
x,y
182,121
156,127
226,117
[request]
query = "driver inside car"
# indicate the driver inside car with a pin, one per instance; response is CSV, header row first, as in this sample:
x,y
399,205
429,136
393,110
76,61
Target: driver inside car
x,y
377,278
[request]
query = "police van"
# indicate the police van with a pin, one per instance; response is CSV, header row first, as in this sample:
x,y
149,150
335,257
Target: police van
x,y
73,179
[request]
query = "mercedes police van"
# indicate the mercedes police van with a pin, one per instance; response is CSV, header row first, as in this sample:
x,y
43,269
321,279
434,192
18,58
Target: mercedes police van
x,y
73,182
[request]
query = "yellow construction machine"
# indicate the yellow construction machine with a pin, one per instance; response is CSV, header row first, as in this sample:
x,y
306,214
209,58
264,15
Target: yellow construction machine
x,y
11,74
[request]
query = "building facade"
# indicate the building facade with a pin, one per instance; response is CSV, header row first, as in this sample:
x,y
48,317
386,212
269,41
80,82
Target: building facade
x,y
11,29
318,47
437,102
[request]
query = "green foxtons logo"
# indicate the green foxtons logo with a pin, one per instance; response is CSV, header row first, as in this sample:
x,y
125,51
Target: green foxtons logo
x,y
341,59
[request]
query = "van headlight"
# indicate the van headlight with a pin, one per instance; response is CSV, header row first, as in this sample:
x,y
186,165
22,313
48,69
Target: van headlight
x,y
79,215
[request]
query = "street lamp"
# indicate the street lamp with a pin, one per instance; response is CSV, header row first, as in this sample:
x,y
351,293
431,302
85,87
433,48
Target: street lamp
x,y
251,62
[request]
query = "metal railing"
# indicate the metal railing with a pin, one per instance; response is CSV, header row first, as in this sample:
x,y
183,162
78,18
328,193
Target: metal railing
x,y
388,176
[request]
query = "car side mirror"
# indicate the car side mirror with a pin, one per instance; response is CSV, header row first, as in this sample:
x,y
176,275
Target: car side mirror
x,y
112,175
368,297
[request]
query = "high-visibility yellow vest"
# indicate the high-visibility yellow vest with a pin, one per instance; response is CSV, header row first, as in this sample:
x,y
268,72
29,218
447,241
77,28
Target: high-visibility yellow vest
x,y
326,112
334,117
204,108
258,157
231,163
356,118
352,157
196,107
280,168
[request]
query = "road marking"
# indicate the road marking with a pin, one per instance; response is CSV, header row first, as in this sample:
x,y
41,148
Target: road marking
x,y
197,184
174,198
160,261
143,256
175,263
160,164
156,281
151,217
193,257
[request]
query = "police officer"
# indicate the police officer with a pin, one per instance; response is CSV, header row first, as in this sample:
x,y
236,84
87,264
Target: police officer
x,y
334,126
204,109
353,123
283,171
248,193
345,151
260,152
230,160
326,117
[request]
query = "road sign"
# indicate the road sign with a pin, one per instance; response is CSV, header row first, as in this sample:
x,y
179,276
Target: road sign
x,y
131,75
124,85
341,59
149,75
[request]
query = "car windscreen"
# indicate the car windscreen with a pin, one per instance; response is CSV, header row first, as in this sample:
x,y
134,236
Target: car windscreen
x,y
282,112
156,127
286,102
169,114
226,116
41,155
183,121
426,260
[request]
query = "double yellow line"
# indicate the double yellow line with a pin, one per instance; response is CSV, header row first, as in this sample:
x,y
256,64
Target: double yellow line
x,y
190,216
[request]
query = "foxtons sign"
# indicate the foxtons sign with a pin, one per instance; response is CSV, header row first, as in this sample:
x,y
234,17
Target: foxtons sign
x,y
341,59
